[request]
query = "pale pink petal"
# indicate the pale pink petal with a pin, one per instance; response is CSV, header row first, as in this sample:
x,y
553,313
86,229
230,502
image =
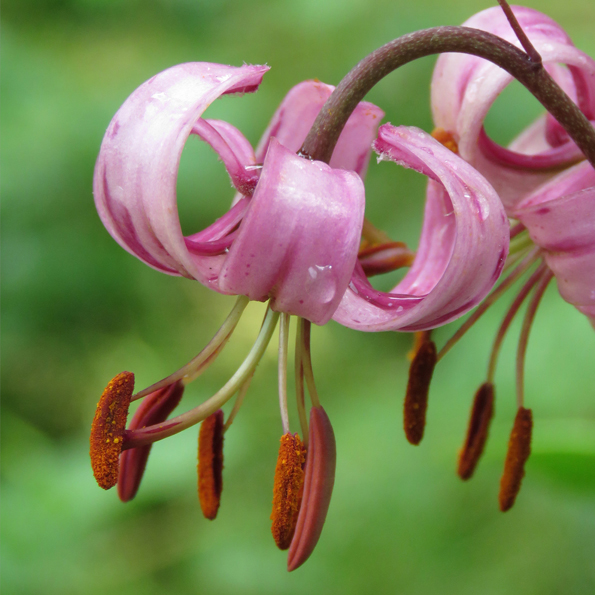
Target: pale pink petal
x,y
296,114
233,149
464,88
298,242
136,171
463,244
560,218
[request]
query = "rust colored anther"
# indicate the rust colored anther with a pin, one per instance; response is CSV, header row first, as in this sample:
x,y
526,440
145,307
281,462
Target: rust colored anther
x,y
108,428
288,489
446,138
318,488
477,431
519,449
418,386
154,409
384,258
210,464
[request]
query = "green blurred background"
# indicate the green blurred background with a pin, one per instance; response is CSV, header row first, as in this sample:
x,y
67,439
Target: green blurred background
x,y
77,309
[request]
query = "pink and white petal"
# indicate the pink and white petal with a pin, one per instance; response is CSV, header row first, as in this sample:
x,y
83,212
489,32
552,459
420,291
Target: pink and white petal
x,y
463,244
296,114
136,171
464,88
233,149
560,218
298,242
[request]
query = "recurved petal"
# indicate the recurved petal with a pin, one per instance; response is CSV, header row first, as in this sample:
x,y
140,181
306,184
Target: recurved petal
x,y
462,249
155,408
318,488
464,88
298,242
560,218
296,114
136,171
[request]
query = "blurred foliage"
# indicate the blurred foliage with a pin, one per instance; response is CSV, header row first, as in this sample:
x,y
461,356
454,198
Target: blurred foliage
x,y
77,309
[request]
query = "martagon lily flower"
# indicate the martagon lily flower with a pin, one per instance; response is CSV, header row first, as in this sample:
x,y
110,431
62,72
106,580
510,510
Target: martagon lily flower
x,y
464,87
291,237
548,190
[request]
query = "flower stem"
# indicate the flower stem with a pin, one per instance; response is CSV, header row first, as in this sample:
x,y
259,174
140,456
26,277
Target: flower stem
x,y
327,127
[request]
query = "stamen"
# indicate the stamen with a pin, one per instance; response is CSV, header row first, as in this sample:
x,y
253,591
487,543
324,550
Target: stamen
x,y
207,356
155,408
384,258
299,384
519,449
210,464
108,428
307,361
477,432
419,338
418,386
185,420
482,308
318,488
512,311
524,337
282,366
372,235
239,400
446,138
288,489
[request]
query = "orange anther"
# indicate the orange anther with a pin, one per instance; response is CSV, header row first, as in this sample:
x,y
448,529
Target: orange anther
x,y
210,464
519,449
108,428
288,489
446,138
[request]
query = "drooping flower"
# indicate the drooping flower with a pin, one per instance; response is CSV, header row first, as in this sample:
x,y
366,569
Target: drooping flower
x,y
464,87
290,237
549,195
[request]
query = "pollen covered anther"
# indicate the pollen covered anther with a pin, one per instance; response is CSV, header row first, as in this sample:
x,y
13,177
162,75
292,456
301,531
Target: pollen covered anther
x,y
477,431
108,428
288,489
210,464
418,386
446,138
519,449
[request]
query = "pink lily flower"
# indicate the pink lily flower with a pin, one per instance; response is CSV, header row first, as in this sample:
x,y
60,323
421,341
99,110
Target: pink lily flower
x,y
464,87
291,236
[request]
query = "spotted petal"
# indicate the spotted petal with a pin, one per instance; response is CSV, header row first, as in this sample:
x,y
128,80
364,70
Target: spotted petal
x,y
464,88
463,245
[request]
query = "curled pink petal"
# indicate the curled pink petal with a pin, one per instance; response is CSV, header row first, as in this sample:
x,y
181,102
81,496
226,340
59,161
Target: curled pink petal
x,y
298,242
560,218
296,114
136,171
155,408
318,488
464,88
463,244
233,149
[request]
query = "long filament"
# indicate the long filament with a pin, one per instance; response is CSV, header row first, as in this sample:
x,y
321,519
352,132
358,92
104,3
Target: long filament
x,y
207,356
512,311
307,362
481,309
239,400
524,337
282,366
174,425
299,384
